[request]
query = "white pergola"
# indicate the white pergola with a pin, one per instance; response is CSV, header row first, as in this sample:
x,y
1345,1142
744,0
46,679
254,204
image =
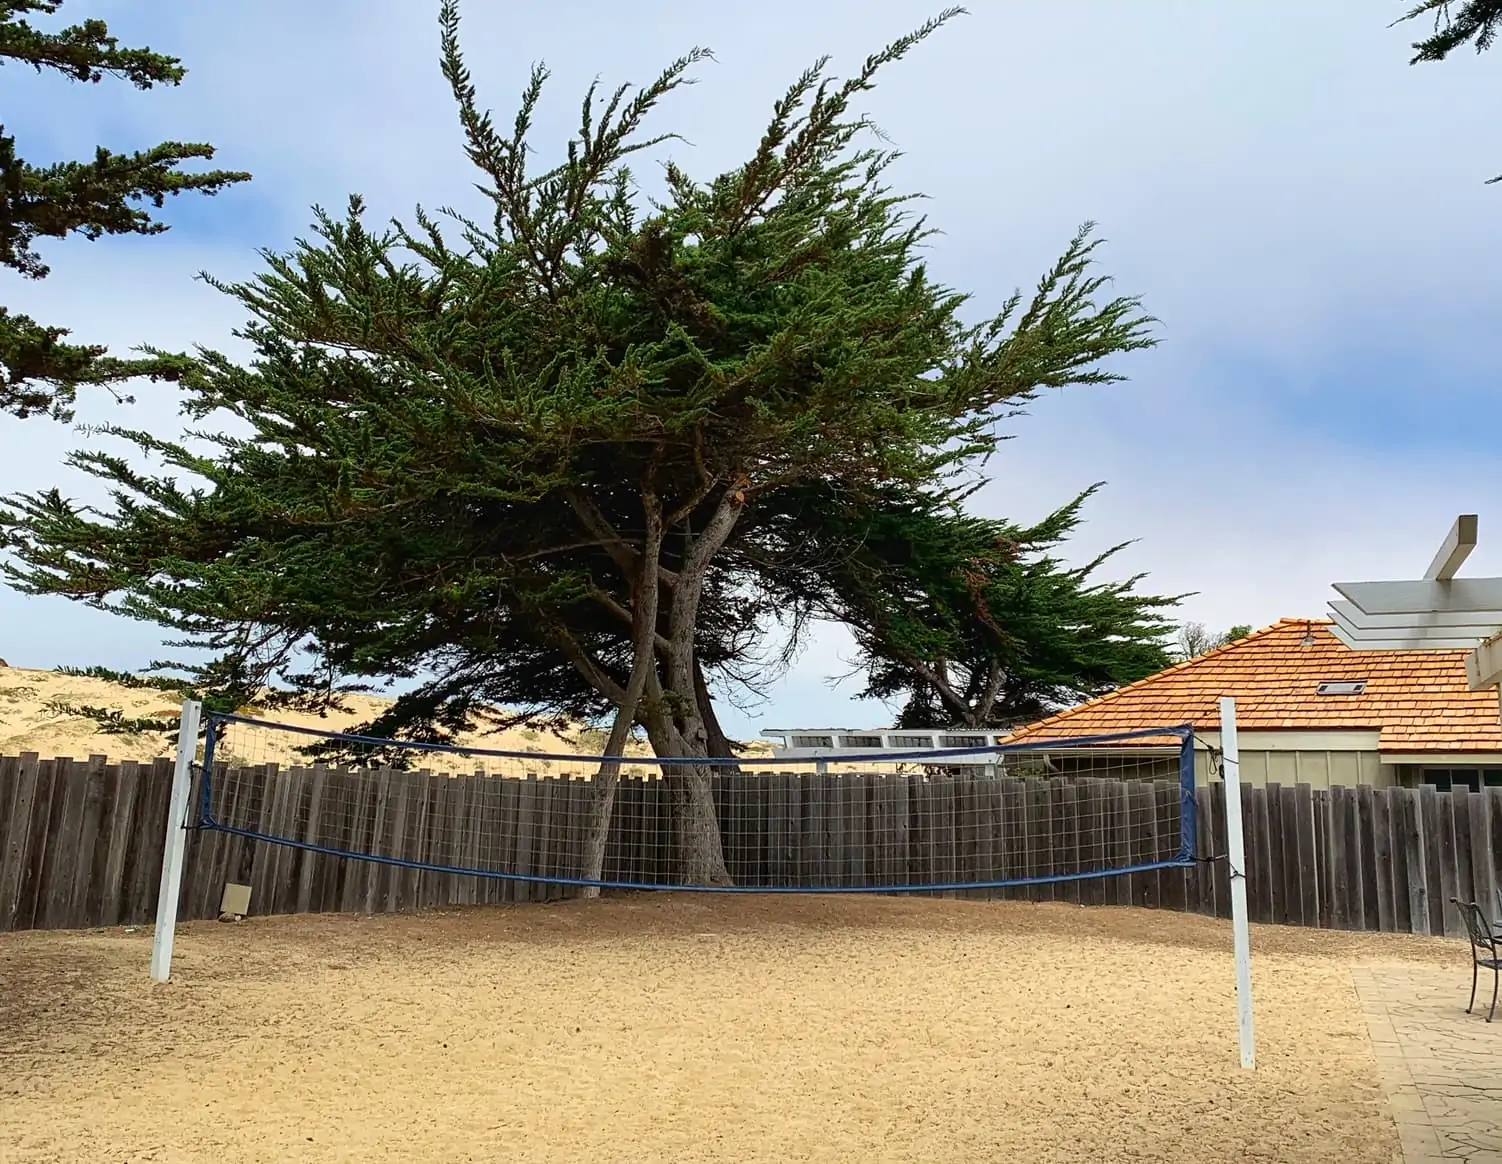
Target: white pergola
x,y
1436,612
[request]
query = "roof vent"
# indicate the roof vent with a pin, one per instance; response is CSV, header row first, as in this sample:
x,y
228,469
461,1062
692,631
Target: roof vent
x,y
1341,687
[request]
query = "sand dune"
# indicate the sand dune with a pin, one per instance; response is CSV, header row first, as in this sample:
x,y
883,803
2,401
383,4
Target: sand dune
x,y
32,721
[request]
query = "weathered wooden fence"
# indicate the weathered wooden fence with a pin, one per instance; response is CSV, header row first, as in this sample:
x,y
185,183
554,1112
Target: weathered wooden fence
x,y
81,842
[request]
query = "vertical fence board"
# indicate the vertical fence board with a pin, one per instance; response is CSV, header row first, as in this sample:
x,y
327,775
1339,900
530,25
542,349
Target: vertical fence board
x,y
1305,847
118,828
1337,863
1066,830
9,780
1460,822
1381,850
1427,819
1483,875
1266,804
82,899
1221,836
1322,864
1288,827
473,819
1415,860
1449,916
1355,886
528,803
1203,883
1171,882
1370,916
55,880
1146,800
96,897
1397,853
25,770
1120,817
509,808
1493,846
309,870
1037,834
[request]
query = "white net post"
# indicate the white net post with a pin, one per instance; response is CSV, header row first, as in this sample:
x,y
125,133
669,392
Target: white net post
x,y
1236,858
177,840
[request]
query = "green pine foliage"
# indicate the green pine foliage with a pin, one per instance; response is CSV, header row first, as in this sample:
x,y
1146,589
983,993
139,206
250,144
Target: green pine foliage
x,y
40,372
1469,22
971,621
1456,25
551,459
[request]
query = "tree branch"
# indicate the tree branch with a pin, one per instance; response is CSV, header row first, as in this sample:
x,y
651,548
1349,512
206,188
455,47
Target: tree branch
x,y
608,601
593,673
939,680
621,552
994,678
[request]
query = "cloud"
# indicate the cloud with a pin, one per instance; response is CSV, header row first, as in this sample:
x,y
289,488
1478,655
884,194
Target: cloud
x,y
1303,212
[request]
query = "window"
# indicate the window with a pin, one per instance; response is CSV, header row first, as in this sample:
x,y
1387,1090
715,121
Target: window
x,y
1474,779
1341,687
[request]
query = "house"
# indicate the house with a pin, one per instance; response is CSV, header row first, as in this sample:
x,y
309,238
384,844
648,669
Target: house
x,y
1309,709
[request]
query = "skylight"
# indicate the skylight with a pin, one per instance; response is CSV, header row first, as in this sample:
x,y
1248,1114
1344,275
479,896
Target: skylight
x,y
1341,687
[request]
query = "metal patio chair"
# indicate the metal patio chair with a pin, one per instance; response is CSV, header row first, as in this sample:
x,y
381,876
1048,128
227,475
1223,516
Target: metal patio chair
x,y
1484,953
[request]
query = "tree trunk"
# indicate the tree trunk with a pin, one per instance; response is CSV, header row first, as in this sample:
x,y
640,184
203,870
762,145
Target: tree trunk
x,y
602,800
646,593
696,825
719,742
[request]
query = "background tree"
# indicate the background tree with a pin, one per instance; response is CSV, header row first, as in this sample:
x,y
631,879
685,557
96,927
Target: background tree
x,y
39,372
516,472
1194,639
1456,24
971,621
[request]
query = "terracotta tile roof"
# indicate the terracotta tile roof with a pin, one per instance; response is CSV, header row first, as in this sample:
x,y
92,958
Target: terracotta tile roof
x,y
1418,700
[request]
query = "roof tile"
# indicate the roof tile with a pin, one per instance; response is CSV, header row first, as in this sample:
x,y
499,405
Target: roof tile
x,y
1419,701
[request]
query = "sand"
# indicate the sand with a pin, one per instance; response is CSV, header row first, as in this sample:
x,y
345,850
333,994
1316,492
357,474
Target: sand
x,y
690,1028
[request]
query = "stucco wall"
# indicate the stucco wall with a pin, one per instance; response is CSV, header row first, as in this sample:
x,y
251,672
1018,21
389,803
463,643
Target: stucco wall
x,y
1320,768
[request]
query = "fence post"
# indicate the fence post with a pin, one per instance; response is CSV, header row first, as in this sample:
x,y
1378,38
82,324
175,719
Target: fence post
x,y
1236,859
177,840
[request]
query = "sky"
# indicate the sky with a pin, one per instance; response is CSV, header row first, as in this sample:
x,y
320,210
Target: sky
x,y
1302,211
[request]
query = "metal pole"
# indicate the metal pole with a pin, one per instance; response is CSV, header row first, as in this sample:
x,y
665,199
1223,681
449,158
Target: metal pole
x,y
1236,856
177,840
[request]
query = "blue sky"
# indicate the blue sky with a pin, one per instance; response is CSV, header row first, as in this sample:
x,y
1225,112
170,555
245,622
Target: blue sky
x,y
1302,211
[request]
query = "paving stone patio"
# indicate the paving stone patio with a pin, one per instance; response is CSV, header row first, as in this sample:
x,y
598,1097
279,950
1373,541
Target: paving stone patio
x,y
1441,1067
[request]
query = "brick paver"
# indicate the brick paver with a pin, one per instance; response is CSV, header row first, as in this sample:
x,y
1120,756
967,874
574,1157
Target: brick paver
x,y
1441,1067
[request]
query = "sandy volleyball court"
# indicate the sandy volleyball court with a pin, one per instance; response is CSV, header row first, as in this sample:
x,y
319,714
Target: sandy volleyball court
x,y
679,1028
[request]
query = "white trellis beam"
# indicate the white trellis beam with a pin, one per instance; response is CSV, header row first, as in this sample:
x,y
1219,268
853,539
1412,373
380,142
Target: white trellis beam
x,y
1454,596
1454,550
1439,612
1483,667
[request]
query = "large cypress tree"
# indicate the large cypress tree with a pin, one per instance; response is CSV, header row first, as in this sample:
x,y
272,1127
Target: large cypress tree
x,y
518,466
111,194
